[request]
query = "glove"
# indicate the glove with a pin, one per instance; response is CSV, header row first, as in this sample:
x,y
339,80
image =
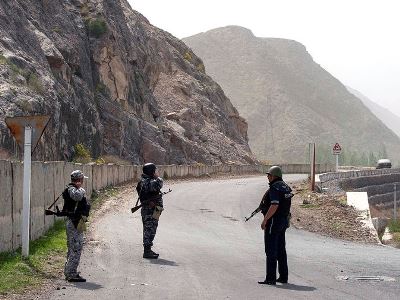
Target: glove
x,y
157,212
81,226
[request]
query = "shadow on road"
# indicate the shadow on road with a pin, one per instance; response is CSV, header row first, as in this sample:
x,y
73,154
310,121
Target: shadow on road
x,y
296,287
164,262
91,286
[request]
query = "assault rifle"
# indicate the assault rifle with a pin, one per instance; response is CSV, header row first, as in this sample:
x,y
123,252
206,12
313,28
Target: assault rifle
x,y
259,209
57,212
133,209
256,211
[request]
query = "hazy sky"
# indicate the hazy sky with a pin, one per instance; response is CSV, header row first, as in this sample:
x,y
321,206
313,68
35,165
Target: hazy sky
x,y
357,41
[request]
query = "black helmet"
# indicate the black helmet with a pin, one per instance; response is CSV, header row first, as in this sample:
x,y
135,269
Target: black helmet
x,y
149,169
275,171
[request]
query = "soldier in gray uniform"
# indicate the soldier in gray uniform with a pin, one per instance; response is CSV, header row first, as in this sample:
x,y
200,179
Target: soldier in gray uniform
x,y
149,191
76,209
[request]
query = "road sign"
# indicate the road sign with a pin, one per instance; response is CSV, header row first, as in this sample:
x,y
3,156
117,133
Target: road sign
x,y
27,132
17,127
337,149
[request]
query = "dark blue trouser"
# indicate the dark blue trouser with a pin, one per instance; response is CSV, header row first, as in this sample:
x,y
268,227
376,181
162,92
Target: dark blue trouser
x,y
149,226
275,248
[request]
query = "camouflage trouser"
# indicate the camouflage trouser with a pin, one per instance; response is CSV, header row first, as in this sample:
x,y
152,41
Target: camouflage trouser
x,y
74,243
149,226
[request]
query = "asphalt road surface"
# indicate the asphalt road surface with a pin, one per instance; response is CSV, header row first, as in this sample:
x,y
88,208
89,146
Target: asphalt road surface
x,y
207,251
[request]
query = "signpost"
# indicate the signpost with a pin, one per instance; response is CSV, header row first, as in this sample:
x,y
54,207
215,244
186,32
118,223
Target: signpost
x,y
395,204
312,164
27,131
337,150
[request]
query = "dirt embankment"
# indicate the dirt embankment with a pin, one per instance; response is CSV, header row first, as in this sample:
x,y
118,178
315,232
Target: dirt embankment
x,y
328,214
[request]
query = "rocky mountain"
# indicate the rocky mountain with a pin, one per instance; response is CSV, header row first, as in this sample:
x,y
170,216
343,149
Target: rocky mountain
x,y
391,120
112,82
287,98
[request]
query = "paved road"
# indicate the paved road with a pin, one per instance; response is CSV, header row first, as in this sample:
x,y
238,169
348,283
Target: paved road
x,y
208,252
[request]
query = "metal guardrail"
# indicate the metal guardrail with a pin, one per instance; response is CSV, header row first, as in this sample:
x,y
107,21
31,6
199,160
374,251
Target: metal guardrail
x,y
357,173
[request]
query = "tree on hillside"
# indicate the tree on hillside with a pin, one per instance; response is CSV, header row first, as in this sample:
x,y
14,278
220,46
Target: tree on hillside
x,y
372,159
364,159
382,152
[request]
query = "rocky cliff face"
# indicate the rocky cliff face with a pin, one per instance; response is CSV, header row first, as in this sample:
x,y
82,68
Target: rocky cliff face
x,y
115,83
287,98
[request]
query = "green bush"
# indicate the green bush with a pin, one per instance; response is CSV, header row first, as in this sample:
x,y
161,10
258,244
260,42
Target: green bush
x,y
82,154
200,67
394,226
100,161
97,27
85,9
101,88
112,159
35,84
3,60
25,105
187,56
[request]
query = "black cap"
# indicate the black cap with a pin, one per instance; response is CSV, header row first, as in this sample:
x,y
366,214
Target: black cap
x,y
77,174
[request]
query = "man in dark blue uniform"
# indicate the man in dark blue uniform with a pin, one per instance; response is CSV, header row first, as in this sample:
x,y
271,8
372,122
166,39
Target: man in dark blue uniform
x,y
275,206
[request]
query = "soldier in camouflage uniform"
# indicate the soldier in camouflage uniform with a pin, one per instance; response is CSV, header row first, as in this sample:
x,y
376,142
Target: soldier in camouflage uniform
x,y
149,191
76,208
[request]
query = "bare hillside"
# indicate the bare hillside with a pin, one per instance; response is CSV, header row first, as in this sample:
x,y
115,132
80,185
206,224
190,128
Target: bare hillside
x,y
287,98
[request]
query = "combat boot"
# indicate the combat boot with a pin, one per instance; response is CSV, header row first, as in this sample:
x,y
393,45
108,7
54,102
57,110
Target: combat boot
x,y
282,280
148,253
76,278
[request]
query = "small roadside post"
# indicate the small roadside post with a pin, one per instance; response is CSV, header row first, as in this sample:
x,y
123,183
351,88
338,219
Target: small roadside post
x,y
395,204
336,151
27,131
312,160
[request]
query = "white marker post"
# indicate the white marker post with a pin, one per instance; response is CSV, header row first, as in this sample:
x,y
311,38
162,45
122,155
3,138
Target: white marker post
x,y
26,208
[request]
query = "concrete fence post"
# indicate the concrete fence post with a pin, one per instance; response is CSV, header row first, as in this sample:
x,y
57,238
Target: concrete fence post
x,y
87,169
49,193
6,205
37,201
17,173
